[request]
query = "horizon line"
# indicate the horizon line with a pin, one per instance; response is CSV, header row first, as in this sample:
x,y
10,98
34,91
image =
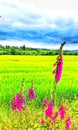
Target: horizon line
x,y
38,45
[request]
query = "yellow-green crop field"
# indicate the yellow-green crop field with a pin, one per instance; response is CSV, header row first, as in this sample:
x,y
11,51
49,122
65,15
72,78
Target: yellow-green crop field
x,y
38,68
13,69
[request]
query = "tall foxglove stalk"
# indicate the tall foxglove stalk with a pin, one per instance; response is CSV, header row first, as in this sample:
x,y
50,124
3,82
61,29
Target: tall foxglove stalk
x,y
58,70
19,101
31,92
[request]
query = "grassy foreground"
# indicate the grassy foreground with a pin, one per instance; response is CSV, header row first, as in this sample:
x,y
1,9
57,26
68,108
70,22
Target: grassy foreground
x,y
39,68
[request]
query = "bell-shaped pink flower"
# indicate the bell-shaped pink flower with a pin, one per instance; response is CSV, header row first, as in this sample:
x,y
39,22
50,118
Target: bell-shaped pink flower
x,y
68,123
42,121
54,71
55,116
31,93
54,64
44,103
13,104
49,110
62,111
18,102
50,129
59,67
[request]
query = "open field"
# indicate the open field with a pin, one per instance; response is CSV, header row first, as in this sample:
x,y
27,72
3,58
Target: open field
x,y
14,68
38,68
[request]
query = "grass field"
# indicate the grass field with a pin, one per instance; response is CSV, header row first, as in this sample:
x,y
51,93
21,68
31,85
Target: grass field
x,y
39,68
13,69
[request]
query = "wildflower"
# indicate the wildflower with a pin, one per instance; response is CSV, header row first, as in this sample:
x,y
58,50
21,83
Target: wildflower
x,y
31,93
13,104
55,116
54,64
62,111
23,98
52,122
68,123
49,110
59,65
59,68
44,103
50,129
18,102
54,71
42,121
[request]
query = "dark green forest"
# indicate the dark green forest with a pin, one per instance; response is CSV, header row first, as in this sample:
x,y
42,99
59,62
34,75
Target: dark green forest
x,y
23,50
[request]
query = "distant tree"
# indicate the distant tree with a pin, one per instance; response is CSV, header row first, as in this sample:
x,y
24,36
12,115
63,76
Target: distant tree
x,y
22,50
23,47
1,46
7,47
13,51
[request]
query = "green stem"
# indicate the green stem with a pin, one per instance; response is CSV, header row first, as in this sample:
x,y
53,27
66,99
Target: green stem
x,y
55,83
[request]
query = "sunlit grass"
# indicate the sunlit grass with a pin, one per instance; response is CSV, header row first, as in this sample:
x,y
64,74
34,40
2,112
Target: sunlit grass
x,y
38,68
15,68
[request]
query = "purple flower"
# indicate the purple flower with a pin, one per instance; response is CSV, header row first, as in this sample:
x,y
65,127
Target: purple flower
x,y
54,71
62,111
50,129
55,116
54,64
18,102
44,103
13,104
49,110
42,121
59,66
31,93
68,123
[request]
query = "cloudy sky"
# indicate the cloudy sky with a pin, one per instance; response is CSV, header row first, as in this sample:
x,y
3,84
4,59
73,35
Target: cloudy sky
x,y
39,23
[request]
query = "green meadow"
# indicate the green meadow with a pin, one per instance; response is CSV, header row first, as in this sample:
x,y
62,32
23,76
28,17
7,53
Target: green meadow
x,y
13,69
38,68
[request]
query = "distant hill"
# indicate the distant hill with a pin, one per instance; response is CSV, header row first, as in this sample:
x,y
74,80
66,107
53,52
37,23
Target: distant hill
x,y
74,50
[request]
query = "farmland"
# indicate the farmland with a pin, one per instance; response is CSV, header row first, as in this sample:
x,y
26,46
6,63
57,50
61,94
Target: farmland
x,y
38,68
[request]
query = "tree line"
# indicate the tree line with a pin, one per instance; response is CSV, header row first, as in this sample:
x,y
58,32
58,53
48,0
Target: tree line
x,y
23,50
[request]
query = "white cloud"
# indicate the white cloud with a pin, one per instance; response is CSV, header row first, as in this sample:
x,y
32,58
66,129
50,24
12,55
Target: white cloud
x,y
18,24
47,4
28,44
70,47
54,8
39,14
7,9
